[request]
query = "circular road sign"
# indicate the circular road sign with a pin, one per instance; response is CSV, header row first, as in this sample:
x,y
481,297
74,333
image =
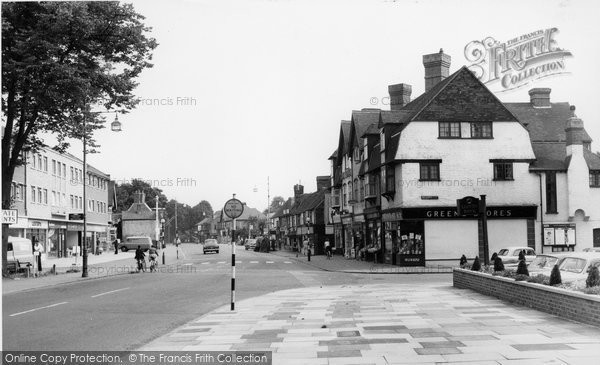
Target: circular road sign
x,y
233,208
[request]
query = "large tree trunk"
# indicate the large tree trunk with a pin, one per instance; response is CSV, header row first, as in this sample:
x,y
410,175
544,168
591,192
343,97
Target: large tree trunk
x,y
6,204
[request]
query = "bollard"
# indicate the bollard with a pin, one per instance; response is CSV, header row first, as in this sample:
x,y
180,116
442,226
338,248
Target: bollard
x,y
54,269
308,253
163,257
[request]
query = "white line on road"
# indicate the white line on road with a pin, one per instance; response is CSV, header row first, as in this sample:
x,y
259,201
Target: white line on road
x,y
35,309
221,262
269,262
108,292
254,262
287,262
238,262
205,263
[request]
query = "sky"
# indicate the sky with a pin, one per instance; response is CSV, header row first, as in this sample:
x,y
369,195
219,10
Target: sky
x,y
248,93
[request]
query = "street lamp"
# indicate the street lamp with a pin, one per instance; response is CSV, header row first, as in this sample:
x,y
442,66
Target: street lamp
x,y
115,127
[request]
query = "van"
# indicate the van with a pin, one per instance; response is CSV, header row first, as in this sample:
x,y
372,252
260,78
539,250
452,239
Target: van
x,y
19,253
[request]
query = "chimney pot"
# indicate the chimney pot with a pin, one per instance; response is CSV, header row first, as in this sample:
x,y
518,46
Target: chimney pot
x,y
437,68
574,131
399,95
540,97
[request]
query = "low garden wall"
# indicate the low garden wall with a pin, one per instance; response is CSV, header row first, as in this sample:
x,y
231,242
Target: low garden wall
x,y
560,302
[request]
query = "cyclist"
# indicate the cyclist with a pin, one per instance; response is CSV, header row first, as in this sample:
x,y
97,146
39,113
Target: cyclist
x,y
140,259
328,249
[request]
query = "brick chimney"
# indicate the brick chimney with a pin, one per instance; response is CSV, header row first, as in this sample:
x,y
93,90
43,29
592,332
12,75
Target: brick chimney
x,y
437,68
575,133
139,197
540,97
323,182
399,95
298,190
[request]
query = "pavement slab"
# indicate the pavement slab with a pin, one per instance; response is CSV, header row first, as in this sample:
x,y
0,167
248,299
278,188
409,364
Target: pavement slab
x,y
333,323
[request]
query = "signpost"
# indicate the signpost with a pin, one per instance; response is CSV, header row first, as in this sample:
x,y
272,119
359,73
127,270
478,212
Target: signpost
x,y
233,209
10,216
472,207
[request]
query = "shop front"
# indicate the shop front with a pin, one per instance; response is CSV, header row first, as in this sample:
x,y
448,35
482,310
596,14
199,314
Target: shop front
x,y
358,235
57,236
348,236
373,236
37,231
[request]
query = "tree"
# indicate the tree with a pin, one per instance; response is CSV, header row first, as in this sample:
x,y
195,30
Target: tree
x,y
522,268
125,195
555,278
59,59
498,264
476,264
276,203
593,278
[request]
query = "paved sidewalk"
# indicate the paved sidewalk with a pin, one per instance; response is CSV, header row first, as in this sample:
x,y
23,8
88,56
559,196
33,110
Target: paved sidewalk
x,y
387,324
98,267
340,264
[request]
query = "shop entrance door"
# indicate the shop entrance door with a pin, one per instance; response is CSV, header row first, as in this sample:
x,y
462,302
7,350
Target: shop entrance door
x,y
412,243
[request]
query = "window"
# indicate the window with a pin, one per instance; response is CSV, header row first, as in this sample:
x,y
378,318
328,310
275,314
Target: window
x,y
33,194
34,161
39,197
390,181
46,196
45,164
449,129
503,171
64,171
53,197
551,192
356,190
595,178
72,173
72,202
80,203
430,171
587,146
40,162
98,207
53,167
344,200
362,189
481,130
64,200
58,169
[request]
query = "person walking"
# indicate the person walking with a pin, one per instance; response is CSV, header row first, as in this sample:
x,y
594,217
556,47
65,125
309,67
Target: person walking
x,y
140,259
116,244
327,249
37,251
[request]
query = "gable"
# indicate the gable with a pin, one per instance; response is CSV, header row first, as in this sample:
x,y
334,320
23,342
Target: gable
x,y
464,99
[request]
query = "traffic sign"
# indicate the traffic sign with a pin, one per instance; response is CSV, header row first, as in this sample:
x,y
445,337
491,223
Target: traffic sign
x,y
233,208
10,216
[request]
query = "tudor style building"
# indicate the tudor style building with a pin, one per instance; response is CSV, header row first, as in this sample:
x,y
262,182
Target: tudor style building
x,y
532,161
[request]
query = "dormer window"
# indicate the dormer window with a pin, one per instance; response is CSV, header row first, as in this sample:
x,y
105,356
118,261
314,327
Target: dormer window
x,y
587,146
595,178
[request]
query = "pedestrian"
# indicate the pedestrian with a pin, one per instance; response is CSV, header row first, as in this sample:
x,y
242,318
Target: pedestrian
x,y
305,245
140,259
37,251
327,249
116,244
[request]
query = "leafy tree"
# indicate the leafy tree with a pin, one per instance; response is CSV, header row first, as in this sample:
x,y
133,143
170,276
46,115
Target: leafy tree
x,y
463,260
476,264
521,256
555,278
493,258
59,59
276,202
125,195
593,278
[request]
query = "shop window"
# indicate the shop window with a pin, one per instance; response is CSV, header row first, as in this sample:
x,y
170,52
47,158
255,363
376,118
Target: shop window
x,y
503,171
430,171
551,206
595,178
449,129
481,130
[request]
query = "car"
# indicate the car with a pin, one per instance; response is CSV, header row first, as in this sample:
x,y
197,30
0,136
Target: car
x,y
210,245
19,253
250,244
132,243
544,263
510,255
591,249
576,266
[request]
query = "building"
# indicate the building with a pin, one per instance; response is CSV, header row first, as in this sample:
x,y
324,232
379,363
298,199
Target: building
x,y
49,187
396,180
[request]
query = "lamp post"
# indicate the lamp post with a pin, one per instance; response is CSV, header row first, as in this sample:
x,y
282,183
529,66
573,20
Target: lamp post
x,y
115,126
308,252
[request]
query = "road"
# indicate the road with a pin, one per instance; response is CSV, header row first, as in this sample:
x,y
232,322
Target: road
x,y
127,311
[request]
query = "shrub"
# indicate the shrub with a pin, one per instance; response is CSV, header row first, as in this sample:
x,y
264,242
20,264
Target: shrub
x,y
476,264
494,255
463,260
521,277
509,273
555,278
522,268
593,278
538,279
593,290
498,264
521,256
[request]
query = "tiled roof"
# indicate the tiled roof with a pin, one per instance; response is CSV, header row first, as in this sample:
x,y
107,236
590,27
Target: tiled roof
x,y
345,131
333,155
592,159
393,117
549,156
308,202
373,129
544,124
361,121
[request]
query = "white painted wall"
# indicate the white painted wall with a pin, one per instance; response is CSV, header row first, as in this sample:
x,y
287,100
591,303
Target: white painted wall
x,y
449,239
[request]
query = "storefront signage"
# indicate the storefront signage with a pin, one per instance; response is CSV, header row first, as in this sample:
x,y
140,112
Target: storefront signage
x,y
347,220
38,224
452,213
74,227
391,217
372,215
359,218
10,216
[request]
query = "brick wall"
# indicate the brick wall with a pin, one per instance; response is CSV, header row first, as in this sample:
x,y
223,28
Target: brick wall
x,y
560,302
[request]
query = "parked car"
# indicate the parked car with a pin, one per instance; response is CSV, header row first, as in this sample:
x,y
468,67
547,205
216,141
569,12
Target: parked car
x,y
544,263
591,249
576,265
250,244
510,255
210,245
132,243
19,253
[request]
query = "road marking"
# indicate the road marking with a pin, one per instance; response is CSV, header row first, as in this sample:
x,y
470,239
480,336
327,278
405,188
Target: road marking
x,y
221,262
238,262
35,309
269,262
205,263
287,262
254,262
108,292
